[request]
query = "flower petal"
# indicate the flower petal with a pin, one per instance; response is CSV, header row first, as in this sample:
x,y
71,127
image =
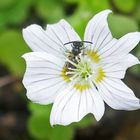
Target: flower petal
x,y
71,106
42,77
116,66
39,40
97,30
63,32
117,95
122,46
98,104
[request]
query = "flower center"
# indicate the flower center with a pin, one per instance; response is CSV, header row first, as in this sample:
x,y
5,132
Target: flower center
x,y
82,71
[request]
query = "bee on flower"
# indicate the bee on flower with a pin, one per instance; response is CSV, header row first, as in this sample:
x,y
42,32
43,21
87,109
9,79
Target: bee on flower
x,y
76,75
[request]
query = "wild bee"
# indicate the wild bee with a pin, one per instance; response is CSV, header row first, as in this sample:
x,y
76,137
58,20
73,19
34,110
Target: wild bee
x,y
74,54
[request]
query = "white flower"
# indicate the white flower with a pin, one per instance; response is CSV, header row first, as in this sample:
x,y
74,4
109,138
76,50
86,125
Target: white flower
x,y
80,84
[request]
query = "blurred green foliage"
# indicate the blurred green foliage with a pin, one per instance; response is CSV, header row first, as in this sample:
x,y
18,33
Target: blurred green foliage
x,y
56,7
128,24
125,5
16,14
12,48
39,126
13,12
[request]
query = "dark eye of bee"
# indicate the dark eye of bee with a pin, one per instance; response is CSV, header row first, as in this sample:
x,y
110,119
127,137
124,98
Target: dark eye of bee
x,y
77,47
77,44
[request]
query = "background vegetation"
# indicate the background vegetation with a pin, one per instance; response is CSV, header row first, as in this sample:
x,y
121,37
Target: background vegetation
x,y
21,119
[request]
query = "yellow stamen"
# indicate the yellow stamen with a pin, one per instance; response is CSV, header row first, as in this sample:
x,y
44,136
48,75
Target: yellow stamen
x,y
81,87
94,56
100,75
64,75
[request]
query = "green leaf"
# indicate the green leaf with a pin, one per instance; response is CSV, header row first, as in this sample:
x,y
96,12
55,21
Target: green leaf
x,y
15,13
12,47
39,124
72,1
125,5
120,25
76,23
85,11
87,120
135,70
39,109
62,133
39,127
50,10
7,3
136,14
99,5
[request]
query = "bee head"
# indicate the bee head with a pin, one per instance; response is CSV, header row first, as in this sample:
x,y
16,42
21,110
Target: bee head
x,y
76,47
77,44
